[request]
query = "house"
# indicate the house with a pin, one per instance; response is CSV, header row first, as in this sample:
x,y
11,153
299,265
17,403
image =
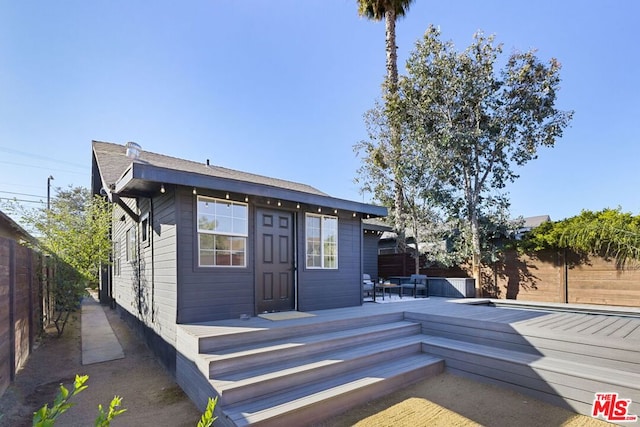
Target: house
x,y
12,230
529,223
194,242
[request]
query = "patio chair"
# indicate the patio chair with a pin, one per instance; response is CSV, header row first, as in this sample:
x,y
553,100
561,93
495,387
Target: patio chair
x,y
417,283
367,286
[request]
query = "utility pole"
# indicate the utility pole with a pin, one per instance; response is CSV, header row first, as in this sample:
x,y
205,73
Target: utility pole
x,y
49,192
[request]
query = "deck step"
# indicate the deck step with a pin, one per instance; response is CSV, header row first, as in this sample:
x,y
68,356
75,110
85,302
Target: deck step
x,y
302,327
273,377
312,402
563,382
267,352
538,341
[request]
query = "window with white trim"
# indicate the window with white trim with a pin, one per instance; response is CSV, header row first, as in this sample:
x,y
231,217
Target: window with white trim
x,y
321,241
132,244
223,227
144,230
117,256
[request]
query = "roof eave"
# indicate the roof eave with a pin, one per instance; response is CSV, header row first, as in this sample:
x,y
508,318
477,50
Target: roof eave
x,y
144,179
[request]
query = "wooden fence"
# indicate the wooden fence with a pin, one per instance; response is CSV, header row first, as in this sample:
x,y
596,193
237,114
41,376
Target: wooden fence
x,y
549,276
24,305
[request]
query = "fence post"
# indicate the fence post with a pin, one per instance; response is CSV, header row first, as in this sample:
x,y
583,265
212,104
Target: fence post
x,y
12,299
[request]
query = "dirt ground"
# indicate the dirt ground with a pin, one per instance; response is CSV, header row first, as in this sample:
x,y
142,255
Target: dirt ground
x,y
149,393
153,399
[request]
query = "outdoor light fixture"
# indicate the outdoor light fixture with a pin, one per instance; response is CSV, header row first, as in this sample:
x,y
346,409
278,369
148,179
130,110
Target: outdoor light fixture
x,y
335,211
319,209
194,190
226,196
162,188
298,206
246,198
354,214
279,203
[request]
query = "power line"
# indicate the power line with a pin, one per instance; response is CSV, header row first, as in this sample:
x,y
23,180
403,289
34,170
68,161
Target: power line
x,y
42,167
21,200
39,156
22,194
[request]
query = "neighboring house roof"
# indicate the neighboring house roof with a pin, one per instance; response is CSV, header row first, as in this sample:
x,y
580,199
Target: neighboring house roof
x,y
11,229
534,221
376,224
119,174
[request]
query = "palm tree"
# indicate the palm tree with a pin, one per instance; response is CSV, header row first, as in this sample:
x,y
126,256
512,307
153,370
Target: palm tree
x,y
390,10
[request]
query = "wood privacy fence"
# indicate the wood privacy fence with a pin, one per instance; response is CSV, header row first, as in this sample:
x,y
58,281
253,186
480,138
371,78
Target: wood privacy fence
x,y
549,276
25,305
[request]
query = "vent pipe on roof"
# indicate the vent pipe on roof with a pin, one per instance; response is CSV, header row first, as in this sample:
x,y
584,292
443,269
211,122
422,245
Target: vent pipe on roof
x,y
133,150
207,162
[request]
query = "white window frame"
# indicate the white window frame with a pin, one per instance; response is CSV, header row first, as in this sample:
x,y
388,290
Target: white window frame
x,y
117,256
323,242
145,230
132,244
241,232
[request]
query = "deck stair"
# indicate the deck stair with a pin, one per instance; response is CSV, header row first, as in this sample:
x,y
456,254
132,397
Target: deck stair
x,y
565,369
299,375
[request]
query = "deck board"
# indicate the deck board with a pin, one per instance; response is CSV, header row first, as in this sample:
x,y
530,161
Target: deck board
x,y
517,334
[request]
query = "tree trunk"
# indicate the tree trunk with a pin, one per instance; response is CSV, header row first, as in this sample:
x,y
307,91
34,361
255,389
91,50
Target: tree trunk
x,y
475,242
392,93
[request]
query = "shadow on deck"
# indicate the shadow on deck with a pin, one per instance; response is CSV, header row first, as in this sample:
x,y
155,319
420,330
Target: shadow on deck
x,y
299,371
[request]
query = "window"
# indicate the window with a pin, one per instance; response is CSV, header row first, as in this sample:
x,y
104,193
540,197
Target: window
x,y
322,241
132,244
117,255
222,233
144,230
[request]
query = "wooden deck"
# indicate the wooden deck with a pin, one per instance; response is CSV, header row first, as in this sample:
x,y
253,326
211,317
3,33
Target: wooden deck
x,y
273,372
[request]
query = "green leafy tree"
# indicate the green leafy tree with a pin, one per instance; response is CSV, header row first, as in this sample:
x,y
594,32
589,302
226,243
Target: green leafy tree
x,y
478,124
390,10
609,233
74,233
419,189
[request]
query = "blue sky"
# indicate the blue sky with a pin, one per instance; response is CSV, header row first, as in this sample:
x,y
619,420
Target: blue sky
x,y
280,88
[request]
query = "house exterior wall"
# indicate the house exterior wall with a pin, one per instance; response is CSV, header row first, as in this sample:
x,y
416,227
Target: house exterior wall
x,y
323,289
210,293
145,291
216,293
168,286
370,255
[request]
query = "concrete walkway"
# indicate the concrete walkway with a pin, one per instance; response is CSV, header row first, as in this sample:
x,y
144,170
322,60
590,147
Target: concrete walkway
x,y
99,343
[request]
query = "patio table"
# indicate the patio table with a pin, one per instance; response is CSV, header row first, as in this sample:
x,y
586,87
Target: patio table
x,y
388,287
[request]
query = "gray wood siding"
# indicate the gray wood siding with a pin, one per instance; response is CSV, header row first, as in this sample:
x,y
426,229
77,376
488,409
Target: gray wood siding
x,y
210,293
320,289
149,294
162,253
370,255
123,283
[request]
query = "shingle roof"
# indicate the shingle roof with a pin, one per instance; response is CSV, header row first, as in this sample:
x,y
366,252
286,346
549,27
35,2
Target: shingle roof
x,y
113,163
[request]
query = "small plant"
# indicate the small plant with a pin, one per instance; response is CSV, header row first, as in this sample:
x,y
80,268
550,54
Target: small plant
x,y
46,417
103,420
207,418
